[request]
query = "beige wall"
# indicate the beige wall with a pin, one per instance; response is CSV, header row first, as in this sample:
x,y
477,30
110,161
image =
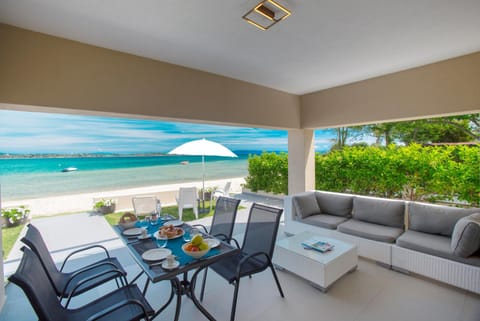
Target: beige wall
x,y
41,70
58,75
447,87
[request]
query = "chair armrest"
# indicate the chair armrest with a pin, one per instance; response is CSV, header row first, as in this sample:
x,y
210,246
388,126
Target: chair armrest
x,y
117,306
115,270
235,241
202,226
248,257
222,237
84,249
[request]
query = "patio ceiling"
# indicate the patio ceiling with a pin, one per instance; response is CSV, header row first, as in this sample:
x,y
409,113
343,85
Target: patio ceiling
x,y
321,45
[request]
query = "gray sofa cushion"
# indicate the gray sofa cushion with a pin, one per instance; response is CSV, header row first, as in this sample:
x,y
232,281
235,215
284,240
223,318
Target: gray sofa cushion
x,y
335,204
370,231
436,245
466,236
379,211
324,220
305,204
435,219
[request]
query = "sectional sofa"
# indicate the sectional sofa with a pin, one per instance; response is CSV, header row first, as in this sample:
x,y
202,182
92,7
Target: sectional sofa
x,y
439,242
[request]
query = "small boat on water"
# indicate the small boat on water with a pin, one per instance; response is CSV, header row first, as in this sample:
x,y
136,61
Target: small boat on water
x,y
69,169
184,162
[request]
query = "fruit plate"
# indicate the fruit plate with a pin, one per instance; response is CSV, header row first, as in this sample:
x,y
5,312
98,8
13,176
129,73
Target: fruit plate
x,y
212,242
157,236
195,254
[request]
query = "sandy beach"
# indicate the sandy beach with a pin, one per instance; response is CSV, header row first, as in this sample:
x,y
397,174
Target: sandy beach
x,y
84,201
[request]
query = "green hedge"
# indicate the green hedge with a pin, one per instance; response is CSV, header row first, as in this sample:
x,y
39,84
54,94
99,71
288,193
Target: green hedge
x,y
410,172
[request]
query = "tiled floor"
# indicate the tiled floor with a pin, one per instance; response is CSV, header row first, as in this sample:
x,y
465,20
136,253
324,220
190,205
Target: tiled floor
x,y
370,293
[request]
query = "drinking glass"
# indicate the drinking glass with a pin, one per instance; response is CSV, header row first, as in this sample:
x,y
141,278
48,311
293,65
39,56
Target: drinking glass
x,y
187,237
162,240
146,221
154,219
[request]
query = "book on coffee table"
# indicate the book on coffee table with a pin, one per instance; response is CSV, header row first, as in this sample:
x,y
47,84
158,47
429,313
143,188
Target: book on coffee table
x,y
317,244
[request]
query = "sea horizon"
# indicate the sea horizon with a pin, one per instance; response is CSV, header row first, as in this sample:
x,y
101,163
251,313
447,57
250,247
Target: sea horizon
x,y
26,178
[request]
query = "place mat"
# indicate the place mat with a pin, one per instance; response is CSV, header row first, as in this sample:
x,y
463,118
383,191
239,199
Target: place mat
x,y
144,246
175,246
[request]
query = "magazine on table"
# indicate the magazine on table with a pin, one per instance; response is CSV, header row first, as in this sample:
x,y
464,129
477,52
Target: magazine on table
x,y
317,244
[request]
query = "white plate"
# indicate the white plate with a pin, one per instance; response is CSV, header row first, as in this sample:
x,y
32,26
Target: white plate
x,y
212,242
156,254
133,231
148,236
170,238
170,267
174,223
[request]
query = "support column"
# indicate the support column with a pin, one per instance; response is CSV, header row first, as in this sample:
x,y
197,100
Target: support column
x,y
301,160
2,282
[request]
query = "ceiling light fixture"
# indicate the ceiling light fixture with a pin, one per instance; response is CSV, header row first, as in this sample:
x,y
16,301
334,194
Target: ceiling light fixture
x,y
265,14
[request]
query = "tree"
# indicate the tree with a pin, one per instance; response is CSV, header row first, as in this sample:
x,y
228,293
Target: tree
x,y
462,128
382,132
344,134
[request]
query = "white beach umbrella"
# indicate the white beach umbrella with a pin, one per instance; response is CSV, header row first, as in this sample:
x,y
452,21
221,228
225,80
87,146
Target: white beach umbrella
x,y
202,147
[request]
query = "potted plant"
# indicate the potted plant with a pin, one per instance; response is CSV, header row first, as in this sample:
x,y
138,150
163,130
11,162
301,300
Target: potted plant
x,y
208,193
15,215
105,206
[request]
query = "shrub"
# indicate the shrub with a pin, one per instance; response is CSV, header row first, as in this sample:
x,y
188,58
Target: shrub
x,y
411,172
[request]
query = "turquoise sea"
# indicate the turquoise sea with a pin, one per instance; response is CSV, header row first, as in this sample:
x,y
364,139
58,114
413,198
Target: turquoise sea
x,y
40,177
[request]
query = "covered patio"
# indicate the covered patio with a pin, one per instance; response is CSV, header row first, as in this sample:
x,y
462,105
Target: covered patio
x,y
86,60
370,293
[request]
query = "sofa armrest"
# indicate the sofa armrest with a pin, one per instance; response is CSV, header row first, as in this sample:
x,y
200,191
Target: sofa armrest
x,y
288,208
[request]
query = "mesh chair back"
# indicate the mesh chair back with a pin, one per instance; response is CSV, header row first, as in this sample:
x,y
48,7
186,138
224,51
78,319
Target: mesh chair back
x,y
146,205
37,287
261,231
224,217
34,240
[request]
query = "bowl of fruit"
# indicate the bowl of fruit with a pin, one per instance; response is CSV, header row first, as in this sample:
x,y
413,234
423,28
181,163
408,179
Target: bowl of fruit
x,y
197,247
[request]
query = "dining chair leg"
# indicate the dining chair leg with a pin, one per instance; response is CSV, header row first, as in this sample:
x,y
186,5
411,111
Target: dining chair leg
x,y
202,292
146,286
235,297
276,280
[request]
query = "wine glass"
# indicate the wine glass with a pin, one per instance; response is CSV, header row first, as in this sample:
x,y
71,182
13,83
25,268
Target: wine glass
x,y
146,221
154,219
162,240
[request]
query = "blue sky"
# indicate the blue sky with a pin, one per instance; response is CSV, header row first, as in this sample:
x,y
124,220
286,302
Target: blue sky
x,y
28,132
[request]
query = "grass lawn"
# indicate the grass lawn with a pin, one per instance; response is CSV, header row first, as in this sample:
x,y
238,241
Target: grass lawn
x,y
9,236
188,214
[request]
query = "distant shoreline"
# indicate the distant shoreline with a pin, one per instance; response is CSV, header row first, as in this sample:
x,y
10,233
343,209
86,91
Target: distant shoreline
x,y
106,155
79,155
83,201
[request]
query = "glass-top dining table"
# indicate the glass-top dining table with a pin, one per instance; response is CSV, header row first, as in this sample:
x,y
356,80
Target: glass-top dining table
x,y
182,278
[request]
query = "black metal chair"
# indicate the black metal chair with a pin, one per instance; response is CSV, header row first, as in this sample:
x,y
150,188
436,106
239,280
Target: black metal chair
x,y
124,304
256,251
223,218
70,284
223,222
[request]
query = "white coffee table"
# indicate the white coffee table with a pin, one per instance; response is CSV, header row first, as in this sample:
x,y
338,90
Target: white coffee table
x,y
321,269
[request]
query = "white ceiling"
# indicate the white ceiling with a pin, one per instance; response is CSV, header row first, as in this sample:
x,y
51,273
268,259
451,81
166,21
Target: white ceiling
x,y
324,43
